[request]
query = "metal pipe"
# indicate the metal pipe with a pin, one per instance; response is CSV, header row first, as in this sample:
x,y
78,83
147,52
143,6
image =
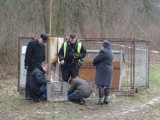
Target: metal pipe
x,y
134,52
48,45
18,64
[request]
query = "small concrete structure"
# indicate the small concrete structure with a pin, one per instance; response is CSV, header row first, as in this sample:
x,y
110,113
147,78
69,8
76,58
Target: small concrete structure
x,y
23,71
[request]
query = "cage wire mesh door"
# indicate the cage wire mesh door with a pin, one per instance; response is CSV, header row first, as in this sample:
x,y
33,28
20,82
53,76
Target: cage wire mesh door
x,y
141,64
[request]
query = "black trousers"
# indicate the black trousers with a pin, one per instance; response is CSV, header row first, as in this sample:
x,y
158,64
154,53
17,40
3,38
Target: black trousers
x,y
69,71
27,88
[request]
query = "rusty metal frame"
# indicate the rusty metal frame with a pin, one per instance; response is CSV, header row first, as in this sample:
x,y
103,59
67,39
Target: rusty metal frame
x,y
131,56
18,64
149,44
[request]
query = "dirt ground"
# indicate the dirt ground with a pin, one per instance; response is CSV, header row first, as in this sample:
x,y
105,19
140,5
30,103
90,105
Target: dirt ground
x,y
145,105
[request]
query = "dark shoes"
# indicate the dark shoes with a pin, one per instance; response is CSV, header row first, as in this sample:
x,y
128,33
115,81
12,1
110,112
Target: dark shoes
x,y
82,101
40,99
43,99
98,103
103,100
106,100
36,100
28,98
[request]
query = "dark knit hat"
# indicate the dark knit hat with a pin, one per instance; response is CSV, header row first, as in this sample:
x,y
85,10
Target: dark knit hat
x,y
106,44
44,37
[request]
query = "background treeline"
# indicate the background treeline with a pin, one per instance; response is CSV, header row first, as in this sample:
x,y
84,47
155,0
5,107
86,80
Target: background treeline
x,y
86,18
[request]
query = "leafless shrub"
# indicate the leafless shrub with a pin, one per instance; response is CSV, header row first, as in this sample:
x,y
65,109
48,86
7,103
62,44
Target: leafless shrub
x,y
103,18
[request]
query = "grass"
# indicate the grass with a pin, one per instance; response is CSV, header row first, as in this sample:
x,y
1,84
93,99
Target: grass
x,y
155,75
13,106
154,83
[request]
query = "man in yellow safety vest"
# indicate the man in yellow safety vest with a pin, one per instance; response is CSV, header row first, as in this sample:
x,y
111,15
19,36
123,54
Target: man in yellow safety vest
x,y
70,56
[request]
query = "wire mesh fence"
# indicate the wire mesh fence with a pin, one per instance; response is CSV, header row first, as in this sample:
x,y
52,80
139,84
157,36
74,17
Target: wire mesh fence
x,y
131,62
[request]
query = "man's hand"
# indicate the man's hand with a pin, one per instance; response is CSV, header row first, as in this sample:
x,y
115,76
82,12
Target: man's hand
x,y
26,67
76,55
51,80
62,62
71,55
93,64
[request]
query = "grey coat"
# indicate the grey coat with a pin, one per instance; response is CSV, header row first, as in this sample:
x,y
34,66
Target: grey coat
x,y
81,87
103,62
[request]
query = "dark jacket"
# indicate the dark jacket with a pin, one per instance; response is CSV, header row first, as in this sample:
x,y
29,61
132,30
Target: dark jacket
x,y
71,49
104,68
37,79
81,87
35,54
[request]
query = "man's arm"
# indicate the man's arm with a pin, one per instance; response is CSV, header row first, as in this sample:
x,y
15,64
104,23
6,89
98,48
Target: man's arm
x,y
44,54
61,53
28,54
72,87
99,57
40,78
83,52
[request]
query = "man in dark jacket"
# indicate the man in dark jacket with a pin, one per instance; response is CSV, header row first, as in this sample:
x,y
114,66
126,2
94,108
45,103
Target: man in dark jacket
x,y
70,55
37,83
79,90
35,54
104,71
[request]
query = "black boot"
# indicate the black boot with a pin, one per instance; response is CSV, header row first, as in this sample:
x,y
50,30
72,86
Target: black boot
x,y
101,96
36,98
82,101
28,98
106,100
100,101
106,94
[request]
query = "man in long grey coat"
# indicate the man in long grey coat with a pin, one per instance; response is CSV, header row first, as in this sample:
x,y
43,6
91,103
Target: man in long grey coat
x,y
79,89
104,71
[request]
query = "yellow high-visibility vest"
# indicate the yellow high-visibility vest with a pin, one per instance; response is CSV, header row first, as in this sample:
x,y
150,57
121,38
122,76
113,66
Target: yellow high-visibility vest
x,y
65,47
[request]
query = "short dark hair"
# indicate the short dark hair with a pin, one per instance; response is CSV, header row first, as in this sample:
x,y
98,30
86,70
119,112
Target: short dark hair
x,y
44,64
72,35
